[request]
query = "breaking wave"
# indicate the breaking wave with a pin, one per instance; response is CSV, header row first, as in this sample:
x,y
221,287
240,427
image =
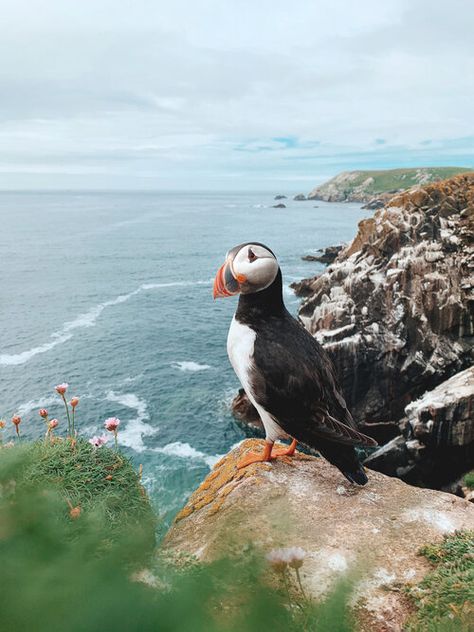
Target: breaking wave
x,y
86,319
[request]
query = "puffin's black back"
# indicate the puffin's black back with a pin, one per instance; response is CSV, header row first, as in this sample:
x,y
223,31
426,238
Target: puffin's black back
x,y
294,380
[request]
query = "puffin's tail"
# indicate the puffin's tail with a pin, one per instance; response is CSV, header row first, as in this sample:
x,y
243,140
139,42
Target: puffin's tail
x,y
356,476
346,459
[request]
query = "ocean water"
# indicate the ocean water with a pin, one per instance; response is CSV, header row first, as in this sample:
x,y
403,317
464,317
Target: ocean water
x,y
112,292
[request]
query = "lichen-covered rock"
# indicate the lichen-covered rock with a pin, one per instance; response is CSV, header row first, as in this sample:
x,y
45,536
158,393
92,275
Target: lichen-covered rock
x,y
375,531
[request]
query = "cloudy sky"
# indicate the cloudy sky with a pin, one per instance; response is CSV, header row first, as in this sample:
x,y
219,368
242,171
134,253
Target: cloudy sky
x,y
230,94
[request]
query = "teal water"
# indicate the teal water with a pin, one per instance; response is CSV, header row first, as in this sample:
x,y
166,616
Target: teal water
x,y
112,292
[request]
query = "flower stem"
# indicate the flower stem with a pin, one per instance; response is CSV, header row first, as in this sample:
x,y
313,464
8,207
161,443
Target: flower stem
x,y
297,570
73,421
68,417
115,438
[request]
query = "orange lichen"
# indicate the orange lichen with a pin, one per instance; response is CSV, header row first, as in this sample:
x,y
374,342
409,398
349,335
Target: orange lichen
x,y
224,478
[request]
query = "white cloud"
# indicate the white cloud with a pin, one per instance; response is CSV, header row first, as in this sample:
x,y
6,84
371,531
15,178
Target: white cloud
x,y
154,94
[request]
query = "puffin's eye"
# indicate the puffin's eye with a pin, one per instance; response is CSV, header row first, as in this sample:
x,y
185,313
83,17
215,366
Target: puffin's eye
x,y
252,256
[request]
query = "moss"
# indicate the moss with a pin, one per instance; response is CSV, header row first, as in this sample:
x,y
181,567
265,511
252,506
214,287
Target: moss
x,y
445,597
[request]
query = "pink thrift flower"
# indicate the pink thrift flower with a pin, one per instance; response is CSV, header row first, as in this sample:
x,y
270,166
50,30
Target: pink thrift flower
x,y
16,419
61,388
74,402
52,424
43,413
97,442
111,424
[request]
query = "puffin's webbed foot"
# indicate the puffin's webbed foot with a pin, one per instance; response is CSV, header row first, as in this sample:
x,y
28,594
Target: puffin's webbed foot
x,y
290,451
257,457
267,455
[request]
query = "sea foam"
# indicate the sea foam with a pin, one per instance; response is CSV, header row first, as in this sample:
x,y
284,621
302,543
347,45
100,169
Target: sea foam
x,y
136,428
190,366
86,319
186,451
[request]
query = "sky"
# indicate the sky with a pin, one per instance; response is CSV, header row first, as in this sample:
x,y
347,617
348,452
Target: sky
x,y
230,94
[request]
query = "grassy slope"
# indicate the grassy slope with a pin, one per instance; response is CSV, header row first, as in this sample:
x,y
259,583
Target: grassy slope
x,y
393,179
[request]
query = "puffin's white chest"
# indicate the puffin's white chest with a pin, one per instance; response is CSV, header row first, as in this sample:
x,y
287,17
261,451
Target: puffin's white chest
x,y
240,348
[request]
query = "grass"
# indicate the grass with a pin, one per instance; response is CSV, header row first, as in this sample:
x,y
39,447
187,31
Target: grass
x,y
469,480
395,179
445,597
73,571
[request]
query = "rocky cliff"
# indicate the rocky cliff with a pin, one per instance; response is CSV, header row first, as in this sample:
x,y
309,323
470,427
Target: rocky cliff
x,y
372,532
395,311
364,186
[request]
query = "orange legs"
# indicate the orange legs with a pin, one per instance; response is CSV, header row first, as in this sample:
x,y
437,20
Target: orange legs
x,y
267,454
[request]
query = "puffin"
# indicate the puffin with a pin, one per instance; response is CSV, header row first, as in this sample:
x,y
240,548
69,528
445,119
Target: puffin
x,y
285,372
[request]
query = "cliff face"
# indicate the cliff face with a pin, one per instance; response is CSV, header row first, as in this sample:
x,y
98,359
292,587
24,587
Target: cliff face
x,y
363,186
375,531
395,311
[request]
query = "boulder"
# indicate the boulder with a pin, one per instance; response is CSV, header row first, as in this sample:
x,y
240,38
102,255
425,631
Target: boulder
x,y
373,532
327,256
281,205
301,197
280,197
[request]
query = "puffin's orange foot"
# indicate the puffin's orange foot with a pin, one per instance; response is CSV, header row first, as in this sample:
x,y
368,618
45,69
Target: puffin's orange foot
x,y
257,457
253,457
290,451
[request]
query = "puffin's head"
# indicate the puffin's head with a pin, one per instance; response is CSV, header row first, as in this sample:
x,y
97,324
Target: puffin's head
x,y
248,268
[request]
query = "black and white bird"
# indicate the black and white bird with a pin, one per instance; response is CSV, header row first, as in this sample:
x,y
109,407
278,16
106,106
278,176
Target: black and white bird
x,y
284,371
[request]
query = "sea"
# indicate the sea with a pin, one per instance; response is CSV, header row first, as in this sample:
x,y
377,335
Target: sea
x,y
111,292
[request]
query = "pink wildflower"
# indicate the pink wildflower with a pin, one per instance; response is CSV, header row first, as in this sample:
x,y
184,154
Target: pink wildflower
x,y
61,388
16,421
53,424
43,413
111,424
97,442
74,402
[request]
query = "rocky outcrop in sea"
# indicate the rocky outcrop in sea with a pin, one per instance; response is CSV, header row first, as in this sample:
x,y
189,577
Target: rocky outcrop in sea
x,y
395,311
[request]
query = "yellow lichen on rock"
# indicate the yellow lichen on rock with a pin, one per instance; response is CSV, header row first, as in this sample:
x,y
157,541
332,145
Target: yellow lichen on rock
x,y
224,478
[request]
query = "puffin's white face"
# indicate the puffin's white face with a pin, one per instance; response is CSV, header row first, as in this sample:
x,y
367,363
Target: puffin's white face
x,y
248,268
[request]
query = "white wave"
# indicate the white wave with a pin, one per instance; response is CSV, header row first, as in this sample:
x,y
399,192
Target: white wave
x,y
186,451
36,404
259,206
136,428
190,366
87,319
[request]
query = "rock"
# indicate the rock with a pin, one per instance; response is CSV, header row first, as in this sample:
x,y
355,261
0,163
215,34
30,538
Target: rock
x,y
279,205
374,531
401,296
244,411
301,197
379,201
327,256
280,197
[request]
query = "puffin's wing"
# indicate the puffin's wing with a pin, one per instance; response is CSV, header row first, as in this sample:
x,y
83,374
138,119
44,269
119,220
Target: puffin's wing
x,y
294,381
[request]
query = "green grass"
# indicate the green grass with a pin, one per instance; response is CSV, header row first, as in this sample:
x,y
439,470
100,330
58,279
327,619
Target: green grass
x,y
62,573
469,480
394,179
445,598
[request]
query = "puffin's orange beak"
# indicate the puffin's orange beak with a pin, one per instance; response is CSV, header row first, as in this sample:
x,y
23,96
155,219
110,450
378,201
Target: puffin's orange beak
x,y
225,283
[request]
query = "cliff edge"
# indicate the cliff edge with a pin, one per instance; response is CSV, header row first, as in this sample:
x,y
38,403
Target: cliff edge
x,y
373,531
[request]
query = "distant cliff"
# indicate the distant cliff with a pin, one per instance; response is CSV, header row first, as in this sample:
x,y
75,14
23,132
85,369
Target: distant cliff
x,y
363,186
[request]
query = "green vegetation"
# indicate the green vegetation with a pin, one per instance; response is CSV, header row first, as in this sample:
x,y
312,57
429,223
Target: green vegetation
x,y
469,479
71,540
394,179
363,185
445,597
